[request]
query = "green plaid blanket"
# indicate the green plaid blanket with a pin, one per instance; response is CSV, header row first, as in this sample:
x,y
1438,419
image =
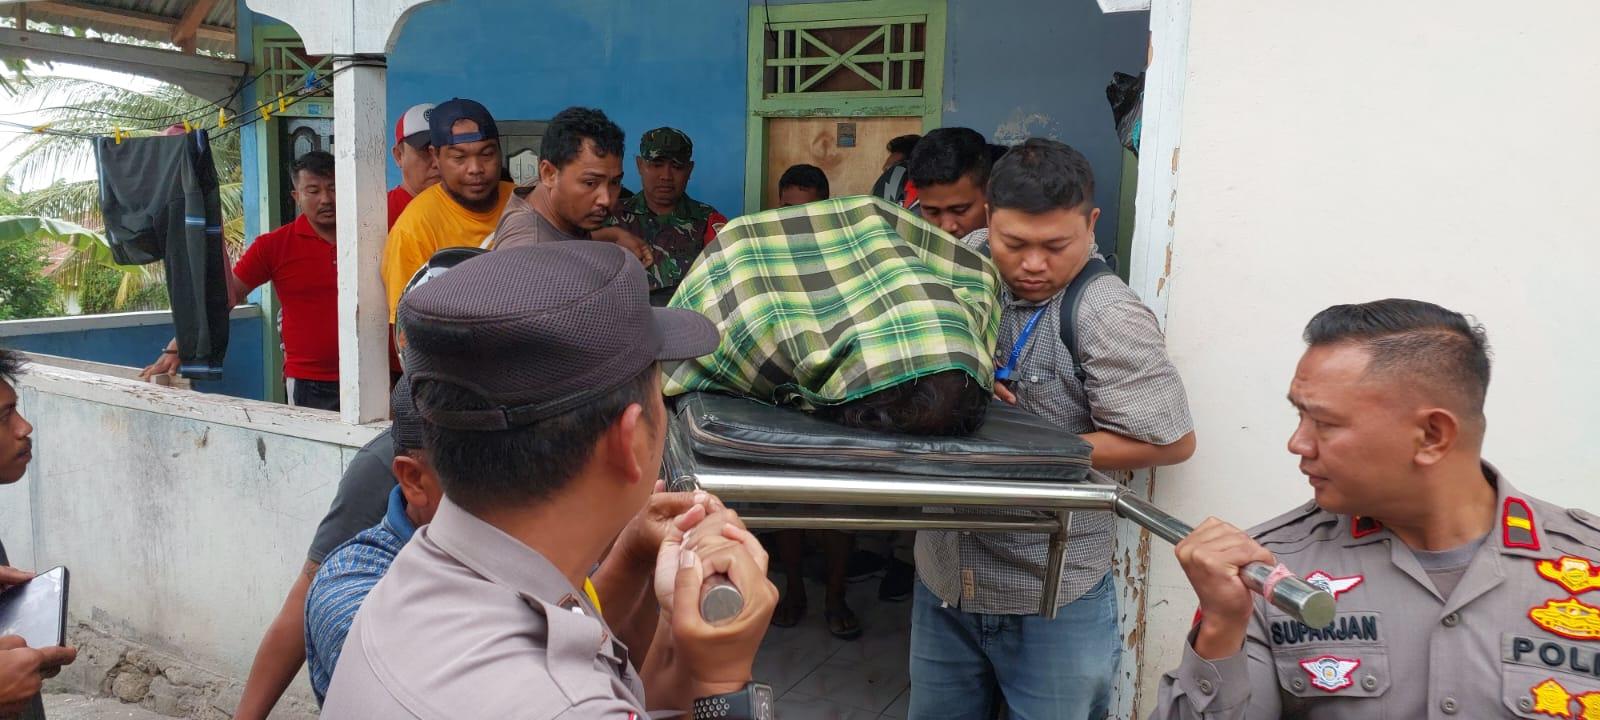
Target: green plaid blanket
x,y
824,303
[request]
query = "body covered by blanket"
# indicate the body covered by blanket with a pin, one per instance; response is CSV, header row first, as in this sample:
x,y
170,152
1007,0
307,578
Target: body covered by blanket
x,y
825,303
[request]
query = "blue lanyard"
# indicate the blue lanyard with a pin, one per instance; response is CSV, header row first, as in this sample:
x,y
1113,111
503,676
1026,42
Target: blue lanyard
x,y
1010,369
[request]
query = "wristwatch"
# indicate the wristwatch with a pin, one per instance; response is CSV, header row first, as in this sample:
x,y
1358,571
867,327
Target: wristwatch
x,y
753,702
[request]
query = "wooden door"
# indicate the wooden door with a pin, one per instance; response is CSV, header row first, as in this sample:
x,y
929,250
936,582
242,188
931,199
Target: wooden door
x,y
852,166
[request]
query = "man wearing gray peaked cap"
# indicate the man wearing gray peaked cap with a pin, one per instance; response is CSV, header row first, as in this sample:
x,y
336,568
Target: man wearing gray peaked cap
x,y
536,369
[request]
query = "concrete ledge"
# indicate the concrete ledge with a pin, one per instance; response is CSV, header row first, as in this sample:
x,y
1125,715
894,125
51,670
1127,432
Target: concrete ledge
x,y
75,323
315,425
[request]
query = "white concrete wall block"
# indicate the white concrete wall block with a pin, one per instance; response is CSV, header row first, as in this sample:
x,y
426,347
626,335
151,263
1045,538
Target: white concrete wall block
x,y
1346,152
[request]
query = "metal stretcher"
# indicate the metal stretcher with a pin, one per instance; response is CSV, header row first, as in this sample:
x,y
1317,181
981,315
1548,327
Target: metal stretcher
x,y
790,464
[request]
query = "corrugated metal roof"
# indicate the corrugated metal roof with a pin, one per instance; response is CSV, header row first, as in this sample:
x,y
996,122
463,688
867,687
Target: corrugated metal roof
x,y
149,20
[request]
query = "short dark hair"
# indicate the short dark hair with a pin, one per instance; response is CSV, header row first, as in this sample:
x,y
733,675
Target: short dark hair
x,y
904,144
1431,347
11,363
521,466
944,403
1042,175
946,155
563,138
316,162
809,177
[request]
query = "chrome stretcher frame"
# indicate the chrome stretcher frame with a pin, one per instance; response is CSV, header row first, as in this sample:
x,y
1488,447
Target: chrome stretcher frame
x,y
893,501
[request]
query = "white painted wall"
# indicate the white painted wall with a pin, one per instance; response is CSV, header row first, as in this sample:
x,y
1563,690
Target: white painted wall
x,y
1343,152
182,517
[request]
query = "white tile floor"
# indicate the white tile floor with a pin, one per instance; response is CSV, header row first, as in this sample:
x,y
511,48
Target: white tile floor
x,y
819,677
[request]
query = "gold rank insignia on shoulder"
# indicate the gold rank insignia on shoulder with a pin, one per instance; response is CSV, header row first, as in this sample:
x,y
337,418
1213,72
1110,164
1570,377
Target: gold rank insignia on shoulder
x,y
1569,618
1551,698
1576,574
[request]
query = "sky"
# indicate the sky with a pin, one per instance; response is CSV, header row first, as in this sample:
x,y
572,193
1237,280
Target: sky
x,y
12,110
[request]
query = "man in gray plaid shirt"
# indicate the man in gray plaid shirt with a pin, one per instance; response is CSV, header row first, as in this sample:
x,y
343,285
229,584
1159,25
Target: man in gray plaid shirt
x,y
976,634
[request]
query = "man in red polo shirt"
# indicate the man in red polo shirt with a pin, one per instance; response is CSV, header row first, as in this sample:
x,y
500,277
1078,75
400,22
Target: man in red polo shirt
x,y
418,171
299,260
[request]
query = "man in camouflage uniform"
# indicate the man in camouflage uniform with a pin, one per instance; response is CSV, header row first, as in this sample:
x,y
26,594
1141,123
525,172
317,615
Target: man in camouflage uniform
x,y
674,225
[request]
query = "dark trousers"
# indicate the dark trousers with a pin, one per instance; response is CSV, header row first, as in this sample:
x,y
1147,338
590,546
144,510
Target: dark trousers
x,y
159,198
314,394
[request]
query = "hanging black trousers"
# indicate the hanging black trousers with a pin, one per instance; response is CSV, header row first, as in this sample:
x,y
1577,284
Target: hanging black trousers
x,y
160,200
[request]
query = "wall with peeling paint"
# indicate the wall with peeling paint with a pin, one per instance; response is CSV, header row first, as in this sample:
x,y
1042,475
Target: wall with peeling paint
x,y
1016,69
1344,152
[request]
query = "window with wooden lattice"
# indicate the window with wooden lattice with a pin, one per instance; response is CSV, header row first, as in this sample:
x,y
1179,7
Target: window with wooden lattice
x,y
880,57
288,68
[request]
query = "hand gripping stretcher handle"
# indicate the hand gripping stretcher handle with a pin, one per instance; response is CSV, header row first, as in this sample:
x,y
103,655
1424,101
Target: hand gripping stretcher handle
x,y
1302,600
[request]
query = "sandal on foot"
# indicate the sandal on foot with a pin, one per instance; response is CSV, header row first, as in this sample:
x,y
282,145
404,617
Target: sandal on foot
x,y
791,610
843,624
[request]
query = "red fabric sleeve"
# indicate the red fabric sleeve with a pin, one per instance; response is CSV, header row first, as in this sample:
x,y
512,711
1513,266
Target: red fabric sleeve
x,y
711,227
254,268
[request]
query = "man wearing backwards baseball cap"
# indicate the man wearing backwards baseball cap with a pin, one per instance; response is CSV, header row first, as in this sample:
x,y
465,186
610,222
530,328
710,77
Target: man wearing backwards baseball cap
x,y
466,204
417,169
536,370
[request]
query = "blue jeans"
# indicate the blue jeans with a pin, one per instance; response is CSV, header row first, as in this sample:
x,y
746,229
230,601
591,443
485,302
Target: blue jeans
x,y
1061,669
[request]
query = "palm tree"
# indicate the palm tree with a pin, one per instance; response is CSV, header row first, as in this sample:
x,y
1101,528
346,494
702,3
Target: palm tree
x,y
77,108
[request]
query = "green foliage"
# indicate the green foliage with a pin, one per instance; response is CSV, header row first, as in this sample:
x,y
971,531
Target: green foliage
x,y
91,107
104,289
24,290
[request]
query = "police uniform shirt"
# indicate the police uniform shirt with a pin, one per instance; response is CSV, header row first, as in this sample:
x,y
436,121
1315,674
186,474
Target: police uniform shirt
x,y
1519,636
470,622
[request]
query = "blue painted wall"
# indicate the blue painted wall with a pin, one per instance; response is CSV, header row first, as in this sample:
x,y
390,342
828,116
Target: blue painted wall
x,y
647,64
137,346
1021,68
1013,68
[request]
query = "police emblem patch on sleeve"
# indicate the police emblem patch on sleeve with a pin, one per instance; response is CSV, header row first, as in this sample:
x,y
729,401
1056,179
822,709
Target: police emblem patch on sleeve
x,y
1576,574
1330,673
1568,618
1334,585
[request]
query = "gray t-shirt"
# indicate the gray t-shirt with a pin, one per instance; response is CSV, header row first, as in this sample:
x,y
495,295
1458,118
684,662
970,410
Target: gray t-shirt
x,y
521,225
362,498
1446,567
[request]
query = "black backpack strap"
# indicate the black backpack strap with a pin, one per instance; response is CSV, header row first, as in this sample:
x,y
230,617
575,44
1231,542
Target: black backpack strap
x,y
1070,300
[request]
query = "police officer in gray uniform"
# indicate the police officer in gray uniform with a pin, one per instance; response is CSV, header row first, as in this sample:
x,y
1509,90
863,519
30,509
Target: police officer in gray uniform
x,y
536,368
1458,595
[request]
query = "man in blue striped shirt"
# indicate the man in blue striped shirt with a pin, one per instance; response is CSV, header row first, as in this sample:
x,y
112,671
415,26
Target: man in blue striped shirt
x,y
352,569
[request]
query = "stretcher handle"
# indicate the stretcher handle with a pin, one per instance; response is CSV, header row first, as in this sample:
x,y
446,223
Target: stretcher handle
x,y
720,601
1290,593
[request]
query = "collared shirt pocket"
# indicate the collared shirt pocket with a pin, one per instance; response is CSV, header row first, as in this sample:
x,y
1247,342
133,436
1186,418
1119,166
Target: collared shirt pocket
x,y
1542,677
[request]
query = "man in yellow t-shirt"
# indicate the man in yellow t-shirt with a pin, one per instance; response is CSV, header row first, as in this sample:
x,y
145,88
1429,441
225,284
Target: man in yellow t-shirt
x,y
459,211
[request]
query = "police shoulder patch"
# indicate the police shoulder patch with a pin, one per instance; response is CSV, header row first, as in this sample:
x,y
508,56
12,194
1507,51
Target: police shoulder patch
x,y
1294,525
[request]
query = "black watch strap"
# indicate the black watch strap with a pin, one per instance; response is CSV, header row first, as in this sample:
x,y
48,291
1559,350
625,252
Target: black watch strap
x,y
753,702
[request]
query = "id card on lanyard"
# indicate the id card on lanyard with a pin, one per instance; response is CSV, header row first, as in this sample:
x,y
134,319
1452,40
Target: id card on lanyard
x,y
1009,371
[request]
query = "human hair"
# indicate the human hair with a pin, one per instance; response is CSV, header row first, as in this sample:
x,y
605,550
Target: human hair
x,y
809,177
903,144
316,162
521,466
1439,351
944,403
1042,175
946,155
563,138
11,363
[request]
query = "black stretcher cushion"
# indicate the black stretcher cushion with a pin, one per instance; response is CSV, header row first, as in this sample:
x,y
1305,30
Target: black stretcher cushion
x,y
1013,444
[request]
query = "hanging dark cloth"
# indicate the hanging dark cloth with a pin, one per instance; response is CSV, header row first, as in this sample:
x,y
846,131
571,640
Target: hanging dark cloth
x,y
160,200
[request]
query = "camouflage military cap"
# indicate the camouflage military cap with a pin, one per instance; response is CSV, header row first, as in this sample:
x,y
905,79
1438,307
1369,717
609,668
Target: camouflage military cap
x,y
666,143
